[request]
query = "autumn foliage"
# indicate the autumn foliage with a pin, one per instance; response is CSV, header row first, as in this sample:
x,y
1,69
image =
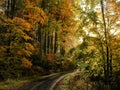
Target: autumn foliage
x,y
39,37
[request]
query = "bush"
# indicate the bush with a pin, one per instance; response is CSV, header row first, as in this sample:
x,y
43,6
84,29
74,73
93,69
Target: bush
x,y
10,69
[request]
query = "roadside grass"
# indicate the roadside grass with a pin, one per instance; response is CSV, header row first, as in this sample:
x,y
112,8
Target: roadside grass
x,y
65,84
76,81
80,80
12,84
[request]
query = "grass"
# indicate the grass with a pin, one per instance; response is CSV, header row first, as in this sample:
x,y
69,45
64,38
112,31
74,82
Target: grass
x,y
81,81
65,83
11,84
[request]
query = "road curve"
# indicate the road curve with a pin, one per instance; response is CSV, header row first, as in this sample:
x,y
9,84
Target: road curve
x,y
42,84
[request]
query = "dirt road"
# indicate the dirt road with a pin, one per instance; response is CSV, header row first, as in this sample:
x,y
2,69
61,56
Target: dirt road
x,y
42,84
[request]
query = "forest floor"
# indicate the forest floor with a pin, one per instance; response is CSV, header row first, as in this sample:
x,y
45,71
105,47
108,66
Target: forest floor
x,y
24,82
48,82
41,84
79,80
76,80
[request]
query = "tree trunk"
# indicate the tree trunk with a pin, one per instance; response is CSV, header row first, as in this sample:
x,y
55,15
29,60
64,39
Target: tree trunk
x,y
107,64
12,12
40,40
45,39
55,44
48,43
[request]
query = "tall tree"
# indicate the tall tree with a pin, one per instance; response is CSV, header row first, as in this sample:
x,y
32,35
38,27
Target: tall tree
x,y
100,26
56,24
19,26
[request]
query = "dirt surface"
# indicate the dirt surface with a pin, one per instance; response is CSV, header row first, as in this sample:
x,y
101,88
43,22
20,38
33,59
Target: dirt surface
x,y
42,84
58,84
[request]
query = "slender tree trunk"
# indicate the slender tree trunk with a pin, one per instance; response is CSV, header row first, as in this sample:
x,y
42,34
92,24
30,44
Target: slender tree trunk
x,y
8,8
109,38
40,40
111,58
52,43
55,44
45,43
107,70
103,57
12,12
48,43
7,14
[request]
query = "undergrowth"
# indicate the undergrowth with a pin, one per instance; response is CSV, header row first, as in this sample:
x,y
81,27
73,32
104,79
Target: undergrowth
x,y
81,80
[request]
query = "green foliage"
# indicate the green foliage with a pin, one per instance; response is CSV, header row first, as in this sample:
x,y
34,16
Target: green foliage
x,y
97,29
82,65
65,83
10,69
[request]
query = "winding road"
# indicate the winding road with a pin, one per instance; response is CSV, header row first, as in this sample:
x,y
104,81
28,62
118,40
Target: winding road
x,y
43,84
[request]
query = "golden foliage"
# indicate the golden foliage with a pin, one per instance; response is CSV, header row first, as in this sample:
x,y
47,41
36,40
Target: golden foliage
x,y
51,57
27,53
34,14
19,52
26,63
21,34
26,37
22,24
29,47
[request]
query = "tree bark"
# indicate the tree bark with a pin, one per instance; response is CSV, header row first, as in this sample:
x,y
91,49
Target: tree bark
x,y
55,44
107,64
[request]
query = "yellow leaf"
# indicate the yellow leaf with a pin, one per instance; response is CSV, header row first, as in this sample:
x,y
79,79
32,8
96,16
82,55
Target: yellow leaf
x,y
26,63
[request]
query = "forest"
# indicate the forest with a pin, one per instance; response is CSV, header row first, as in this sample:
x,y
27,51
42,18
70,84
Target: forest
x,y
40,37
